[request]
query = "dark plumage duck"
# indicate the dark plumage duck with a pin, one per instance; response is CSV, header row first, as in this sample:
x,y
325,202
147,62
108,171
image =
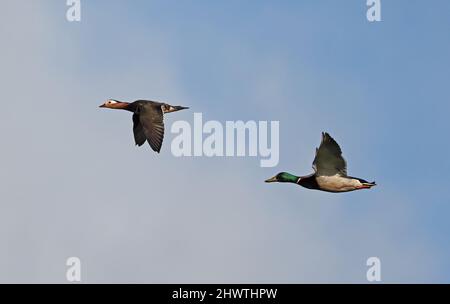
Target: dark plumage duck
x,y
148,122
330,171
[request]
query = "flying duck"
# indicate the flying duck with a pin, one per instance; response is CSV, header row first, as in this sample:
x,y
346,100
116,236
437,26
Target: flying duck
x,y
330,171
148,122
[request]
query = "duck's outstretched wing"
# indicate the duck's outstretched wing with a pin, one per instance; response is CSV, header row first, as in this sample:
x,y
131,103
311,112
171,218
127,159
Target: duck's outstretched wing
x,y
329,160
149,125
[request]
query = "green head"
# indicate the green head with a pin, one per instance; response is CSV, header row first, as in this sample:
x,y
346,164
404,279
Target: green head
x,y
283,177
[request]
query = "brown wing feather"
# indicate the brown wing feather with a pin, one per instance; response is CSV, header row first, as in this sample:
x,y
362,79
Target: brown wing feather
x,y
152,121
138,131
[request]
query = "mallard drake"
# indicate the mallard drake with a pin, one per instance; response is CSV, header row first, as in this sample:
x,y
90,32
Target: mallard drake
x,y
330,171
148,122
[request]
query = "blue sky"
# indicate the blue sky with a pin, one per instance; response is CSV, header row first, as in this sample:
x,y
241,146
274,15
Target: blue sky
x,y
73,184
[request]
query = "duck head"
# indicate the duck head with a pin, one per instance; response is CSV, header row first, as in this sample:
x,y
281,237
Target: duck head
x,y
283,177
114,104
